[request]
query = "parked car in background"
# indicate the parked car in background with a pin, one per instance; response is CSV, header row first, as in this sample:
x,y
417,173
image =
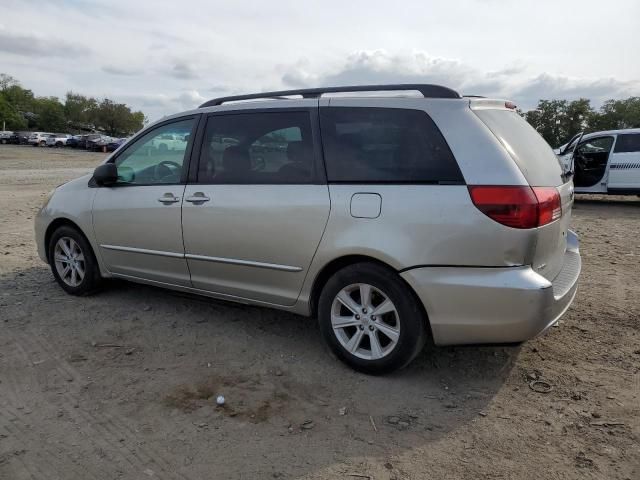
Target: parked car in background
x,y
408,217
604,162
115,144
98,144
58,139
39,139
20,138
170,142
5,135
84,140
73,141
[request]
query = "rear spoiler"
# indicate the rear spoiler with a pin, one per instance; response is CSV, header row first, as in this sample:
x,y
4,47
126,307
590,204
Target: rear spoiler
x,y
479,103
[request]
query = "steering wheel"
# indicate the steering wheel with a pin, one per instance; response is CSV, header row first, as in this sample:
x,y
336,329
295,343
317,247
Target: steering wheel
x,y
165,169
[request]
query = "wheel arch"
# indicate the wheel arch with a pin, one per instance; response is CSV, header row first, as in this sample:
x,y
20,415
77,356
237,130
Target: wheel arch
x,y
61,222
344,261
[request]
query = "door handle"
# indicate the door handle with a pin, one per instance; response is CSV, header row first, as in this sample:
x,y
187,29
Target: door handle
x,y
168,198
198,198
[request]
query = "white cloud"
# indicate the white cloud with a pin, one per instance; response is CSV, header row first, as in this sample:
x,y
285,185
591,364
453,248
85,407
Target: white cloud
x,y
513,82
30,45
154,53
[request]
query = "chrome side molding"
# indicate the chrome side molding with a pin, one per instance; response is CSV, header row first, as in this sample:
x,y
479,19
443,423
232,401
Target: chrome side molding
x,y
189,256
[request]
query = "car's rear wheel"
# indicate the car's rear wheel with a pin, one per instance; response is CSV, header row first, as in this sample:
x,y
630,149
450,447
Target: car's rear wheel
x,y
72,261
371,319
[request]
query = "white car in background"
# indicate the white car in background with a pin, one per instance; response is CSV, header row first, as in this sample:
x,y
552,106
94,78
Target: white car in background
x,y
58,139
4,136
604,162
39,139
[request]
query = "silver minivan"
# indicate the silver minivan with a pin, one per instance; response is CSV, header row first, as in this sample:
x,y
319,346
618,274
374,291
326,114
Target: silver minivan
x,y
391,217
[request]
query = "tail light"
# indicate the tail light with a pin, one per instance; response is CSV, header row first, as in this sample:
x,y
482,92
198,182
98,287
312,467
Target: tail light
x,y
518,207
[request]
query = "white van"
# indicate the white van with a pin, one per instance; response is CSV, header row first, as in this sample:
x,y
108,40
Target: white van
x,y
605,162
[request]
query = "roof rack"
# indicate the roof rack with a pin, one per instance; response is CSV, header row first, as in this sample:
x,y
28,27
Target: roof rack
x,y
427,90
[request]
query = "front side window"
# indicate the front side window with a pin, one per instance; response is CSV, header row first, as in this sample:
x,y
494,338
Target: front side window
x,y
385,145
600,145
628,142
156,158
257,148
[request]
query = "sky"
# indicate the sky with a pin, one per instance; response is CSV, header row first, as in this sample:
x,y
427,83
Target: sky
x,y
163,57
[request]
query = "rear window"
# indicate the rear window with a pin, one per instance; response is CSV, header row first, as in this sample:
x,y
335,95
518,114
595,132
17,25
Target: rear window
x,y
628,142
529,150
385,145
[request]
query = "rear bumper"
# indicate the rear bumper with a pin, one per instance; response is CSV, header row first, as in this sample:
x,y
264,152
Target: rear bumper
x,y
468,305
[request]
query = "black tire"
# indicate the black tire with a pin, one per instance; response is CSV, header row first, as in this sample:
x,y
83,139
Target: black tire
x,y
412,319
92,279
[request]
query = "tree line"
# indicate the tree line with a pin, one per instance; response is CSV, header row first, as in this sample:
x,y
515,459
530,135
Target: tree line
x,y
558,120
20,109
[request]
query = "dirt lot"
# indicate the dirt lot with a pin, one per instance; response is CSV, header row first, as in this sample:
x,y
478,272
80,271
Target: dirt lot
x,y
122,385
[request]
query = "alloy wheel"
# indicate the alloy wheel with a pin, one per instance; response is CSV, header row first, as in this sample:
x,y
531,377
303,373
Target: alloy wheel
x,y
69,261
365,321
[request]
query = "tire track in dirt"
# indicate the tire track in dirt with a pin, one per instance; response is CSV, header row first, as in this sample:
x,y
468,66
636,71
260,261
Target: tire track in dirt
x,y
105,429
32,469
97,432
14,419
35,446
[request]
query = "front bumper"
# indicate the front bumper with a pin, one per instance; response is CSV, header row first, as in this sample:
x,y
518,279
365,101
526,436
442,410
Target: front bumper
x,y
470,305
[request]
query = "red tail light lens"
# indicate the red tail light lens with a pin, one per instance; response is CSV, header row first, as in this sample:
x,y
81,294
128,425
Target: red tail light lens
x,y
518,207
549,204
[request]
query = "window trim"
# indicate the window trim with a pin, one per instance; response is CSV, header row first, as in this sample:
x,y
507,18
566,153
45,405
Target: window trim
x,y
187,156
318,177
462,180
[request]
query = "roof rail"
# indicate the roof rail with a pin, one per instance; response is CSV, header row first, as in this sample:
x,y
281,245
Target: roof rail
x,y
427,90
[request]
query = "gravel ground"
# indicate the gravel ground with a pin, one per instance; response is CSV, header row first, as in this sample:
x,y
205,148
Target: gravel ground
x,y
122,384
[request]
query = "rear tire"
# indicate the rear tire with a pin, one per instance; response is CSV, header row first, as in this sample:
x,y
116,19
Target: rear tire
x,y
377,335
72,262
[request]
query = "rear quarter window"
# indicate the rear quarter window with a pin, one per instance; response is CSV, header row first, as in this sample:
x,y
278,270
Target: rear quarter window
x,y
385,145
529,150
628,142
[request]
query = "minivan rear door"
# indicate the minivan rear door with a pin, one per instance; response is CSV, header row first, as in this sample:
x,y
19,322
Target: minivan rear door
x,y
256,207
541,168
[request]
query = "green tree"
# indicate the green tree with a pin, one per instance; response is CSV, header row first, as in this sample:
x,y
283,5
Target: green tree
x,y
80,110
117,118
50,114
7,81
12,119
559,120
616,114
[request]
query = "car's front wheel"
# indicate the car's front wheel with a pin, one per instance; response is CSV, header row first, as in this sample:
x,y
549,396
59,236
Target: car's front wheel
x,y
371,319
72,261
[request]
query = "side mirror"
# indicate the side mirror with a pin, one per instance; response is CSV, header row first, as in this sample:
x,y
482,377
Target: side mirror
x,y
106,174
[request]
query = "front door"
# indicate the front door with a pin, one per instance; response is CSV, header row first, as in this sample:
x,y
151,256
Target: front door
x,y
624,168
255,216
137,222
590,163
